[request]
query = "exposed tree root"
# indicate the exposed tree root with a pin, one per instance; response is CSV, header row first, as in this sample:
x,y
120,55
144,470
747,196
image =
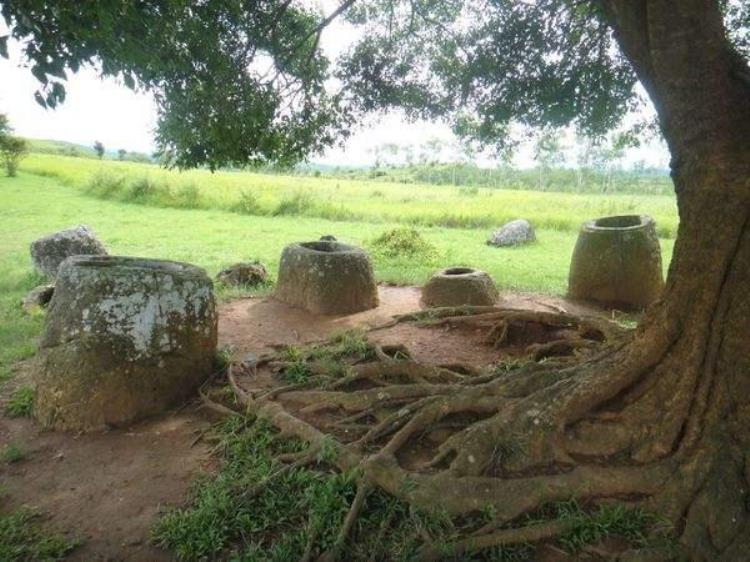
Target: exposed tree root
x,y
215,406
451,436
358,503
521,535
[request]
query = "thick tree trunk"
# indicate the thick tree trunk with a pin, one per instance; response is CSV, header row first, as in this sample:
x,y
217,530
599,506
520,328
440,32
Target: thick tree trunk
x,y
693,405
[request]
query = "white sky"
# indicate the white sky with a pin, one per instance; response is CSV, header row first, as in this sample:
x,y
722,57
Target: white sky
x,y
104,110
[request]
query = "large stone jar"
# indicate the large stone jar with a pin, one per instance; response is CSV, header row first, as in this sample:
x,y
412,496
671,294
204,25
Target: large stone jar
x,y
326,277
125,338
617,262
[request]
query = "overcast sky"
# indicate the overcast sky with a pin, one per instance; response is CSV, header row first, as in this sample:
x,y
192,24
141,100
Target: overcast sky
x,y
104,110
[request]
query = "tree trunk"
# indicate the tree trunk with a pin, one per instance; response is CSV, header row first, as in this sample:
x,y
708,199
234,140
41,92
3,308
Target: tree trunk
x,y
694,404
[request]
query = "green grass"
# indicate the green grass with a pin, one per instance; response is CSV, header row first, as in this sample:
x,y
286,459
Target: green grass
x,y
217,220
34,205
276,521
21,402
342,199
22,539
590,527
12,453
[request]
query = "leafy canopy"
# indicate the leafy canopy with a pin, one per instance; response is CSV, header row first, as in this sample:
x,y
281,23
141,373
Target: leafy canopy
x,y
243,82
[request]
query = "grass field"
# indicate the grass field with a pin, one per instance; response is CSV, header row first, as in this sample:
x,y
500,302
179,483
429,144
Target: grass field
x,y
216,220
54,192
345,200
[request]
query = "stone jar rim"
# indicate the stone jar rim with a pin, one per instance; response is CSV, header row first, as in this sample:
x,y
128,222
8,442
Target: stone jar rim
x,y
326,247
129,263
619,223
458,271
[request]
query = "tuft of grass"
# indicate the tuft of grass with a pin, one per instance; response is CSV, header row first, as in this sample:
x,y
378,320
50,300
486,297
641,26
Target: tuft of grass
x,y
297,372
22,539
633,524
141,189
329,358
351,343
299,203
105,184
12,453
188,197
21,403
247,204
507,365
404,243
468,191
504,451
223,357
292,353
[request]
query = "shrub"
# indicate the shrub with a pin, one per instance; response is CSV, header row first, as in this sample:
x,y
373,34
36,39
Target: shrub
x,y
105,185
188,197
247,204
141,188
297,204
12,151
403,242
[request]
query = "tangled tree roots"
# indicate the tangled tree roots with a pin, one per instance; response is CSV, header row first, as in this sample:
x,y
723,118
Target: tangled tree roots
x,y
506,440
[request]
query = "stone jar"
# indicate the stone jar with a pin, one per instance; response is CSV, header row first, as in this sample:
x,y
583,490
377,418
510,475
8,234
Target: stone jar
x,y
459,286
617,262
124,338
326,277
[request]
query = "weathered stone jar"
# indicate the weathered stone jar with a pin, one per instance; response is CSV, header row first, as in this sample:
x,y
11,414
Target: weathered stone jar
x,y
326,277
459,286
617,262
125,338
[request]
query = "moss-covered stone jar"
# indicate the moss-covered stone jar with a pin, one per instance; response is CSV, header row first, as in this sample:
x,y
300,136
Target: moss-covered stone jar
x,y
326,277
124,338
617,262
459,286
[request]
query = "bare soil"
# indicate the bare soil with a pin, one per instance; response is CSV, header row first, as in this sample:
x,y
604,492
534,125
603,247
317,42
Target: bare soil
x,y
109,488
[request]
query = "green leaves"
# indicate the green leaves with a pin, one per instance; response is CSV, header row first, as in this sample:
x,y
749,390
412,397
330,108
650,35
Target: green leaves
x,y
245,82
235,81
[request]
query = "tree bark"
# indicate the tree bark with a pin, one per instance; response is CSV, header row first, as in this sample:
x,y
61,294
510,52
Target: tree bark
x,y
693,406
